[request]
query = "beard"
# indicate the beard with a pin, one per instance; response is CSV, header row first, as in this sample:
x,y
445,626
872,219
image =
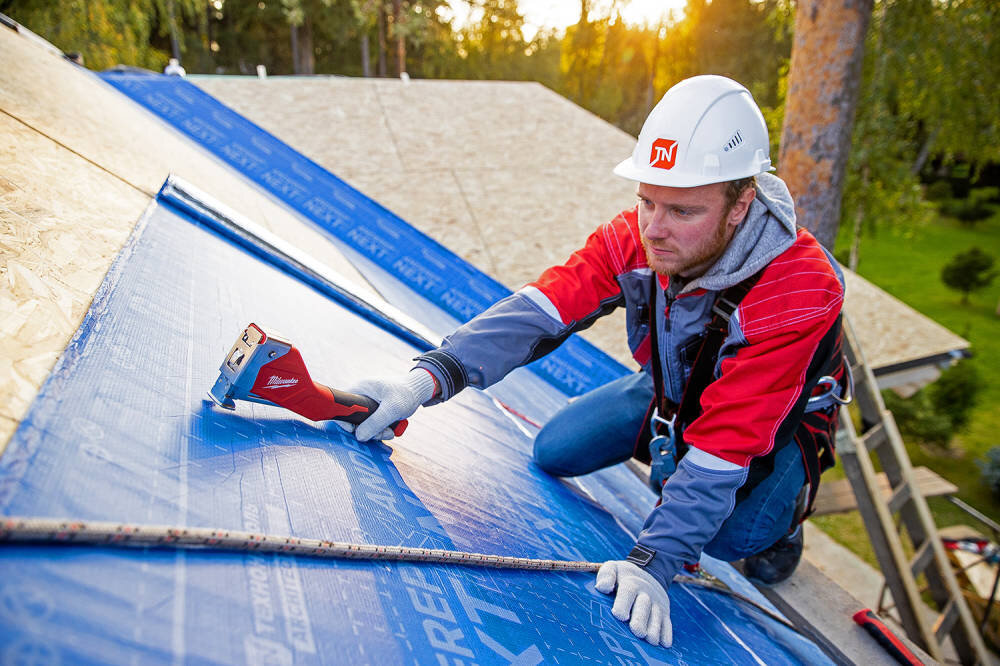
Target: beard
x,y
691,262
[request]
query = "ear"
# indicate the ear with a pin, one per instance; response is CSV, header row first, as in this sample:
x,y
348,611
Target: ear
x,y
739,210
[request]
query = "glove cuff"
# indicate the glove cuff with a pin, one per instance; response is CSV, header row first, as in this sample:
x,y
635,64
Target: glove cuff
x,y
422,384
653,563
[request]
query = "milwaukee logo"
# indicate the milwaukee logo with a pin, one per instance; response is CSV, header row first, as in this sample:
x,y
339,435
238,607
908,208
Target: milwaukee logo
x,y
735,142
664,154
281,382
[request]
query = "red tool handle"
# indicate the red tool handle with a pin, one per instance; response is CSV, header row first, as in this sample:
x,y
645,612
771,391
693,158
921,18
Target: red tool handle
x,y
874,626
286,382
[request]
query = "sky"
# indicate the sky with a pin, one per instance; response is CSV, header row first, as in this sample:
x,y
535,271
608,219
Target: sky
x,y
561,13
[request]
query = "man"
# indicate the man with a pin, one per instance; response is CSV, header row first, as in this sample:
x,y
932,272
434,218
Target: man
x,y
712,231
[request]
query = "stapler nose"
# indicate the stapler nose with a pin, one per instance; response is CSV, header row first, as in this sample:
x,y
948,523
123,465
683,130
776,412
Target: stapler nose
x,y
221,395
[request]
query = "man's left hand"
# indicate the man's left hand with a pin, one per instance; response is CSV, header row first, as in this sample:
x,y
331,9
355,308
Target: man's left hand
x,y
640,600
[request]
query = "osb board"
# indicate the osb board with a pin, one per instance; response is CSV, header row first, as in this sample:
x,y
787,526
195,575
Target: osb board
x,y
890,331
56,246
509,175
80,111
78,166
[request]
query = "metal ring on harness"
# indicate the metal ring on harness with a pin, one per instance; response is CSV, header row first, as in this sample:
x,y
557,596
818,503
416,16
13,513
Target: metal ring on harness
x,y
832,385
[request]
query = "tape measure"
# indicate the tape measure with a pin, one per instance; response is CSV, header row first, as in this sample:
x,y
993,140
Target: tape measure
x,y
54,530
15,529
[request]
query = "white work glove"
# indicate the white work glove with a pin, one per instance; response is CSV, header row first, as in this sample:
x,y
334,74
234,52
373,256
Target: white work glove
x,y
397,399
641,601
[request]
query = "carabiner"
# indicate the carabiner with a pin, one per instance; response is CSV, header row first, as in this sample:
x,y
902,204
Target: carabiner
x,y
662,451
832,386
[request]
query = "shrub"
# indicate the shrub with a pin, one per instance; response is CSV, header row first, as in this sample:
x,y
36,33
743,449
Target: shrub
x,y
939,190
956,391
968,271
935,412
991,470
971,209
919,418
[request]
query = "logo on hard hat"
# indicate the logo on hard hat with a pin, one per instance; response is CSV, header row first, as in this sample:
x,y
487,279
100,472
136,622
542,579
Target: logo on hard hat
x,y
664,154
734,142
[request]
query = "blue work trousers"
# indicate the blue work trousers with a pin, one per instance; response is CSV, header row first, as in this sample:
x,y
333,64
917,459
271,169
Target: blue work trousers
x,y
599,429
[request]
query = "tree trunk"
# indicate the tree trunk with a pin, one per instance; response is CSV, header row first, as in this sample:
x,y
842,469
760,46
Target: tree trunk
x,y
381,41
307,57
296,65
653,64
366,70
397,33
925,151
824,81
175,44
859,216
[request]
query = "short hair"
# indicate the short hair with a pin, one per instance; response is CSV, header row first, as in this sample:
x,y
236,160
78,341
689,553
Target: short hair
x,y
734,188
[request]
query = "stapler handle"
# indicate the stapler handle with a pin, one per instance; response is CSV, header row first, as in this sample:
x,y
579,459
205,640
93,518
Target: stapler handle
x,y
343,399
286,383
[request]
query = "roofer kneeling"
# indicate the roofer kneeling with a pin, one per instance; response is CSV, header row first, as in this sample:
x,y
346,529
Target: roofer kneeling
x,y
734,316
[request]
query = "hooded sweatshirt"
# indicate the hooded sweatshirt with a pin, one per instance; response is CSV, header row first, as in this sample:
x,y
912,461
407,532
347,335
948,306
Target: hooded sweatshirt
x,y
757,398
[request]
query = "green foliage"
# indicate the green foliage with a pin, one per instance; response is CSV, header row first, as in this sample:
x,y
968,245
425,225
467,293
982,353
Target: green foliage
x,y
929,93
956,390
939,190
974,208
968,271
620,71
936,412
919,418
105,33
990,468
494,47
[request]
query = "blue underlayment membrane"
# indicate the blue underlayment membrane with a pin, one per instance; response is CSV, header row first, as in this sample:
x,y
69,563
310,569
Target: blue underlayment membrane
x,y
122,431
395,257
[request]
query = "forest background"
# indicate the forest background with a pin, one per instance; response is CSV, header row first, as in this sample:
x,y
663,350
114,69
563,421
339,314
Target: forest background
x,y
923,174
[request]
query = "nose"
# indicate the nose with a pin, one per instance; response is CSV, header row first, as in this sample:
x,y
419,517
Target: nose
x,y
657,227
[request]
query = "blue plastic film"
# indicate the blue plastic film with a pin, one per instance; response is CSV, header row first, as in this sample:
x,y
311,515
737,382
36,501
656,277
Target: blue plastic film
x,y
397,258
121,431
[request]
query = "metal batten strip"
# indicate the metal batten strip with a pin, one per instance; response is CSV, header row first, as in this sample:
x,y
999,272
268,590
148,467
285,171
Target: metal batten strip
x,y
185,199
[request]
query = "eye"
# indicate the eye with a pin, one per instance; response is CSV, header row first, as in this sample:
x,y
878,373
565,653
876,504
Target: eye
x,y
646,203
683,212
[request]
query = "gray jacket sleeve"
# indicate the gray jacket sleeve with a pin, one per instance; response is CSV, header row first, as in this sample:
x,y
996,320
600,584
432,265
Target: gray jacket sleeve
x,y
696,501
513,332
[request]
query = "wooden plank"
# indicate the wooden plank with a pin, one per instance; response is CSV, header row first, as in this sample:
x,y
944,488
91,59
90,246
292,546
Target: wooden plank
x,y
837,496
822,611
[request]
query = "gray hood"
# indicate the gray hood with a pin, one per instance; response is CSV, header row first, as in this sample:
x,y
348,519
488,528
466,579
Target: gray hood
x,y
767,231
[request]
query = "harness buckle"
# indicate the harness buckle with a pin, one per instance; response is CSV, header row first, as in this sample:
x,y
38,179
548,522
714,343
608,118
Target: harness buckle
x,y
662,450
724,308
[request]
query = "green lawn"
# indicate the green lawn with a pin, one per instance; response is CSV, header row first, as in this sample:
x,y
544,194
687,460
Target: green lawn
x,y
907,262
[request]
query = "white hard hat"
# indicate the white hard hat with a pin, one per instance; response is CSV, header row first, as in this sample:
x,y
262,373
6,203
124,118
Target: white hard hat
x,y
706,129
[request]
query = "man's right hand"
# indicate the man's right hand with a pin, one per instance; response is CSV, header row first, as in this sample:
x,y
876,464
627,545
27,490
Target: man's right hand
x,y
397,399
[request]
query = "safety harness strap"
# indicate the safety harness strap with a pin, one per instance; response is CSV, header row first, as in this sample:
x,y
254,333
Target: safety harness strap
x,y
814,435
703,369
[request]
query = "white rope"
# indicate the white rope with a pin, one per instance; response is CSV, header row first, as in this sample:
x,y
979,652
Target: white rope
x,y
55,530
